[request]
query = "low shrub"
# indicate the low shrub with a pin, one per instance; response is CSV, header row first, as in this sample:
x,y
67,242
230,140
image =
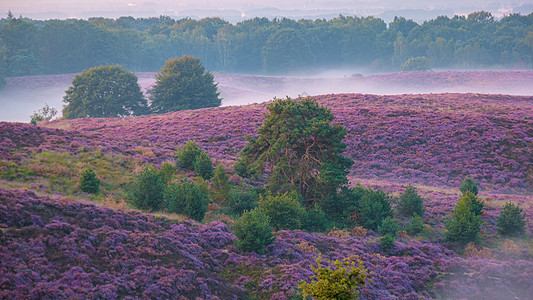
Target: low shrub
x,y
253,231
342,208
475,205
512,220
373,208
88,182
188,198
203,166
389,226
343,280
186,155
191,157
464,225
339,233
387,242
241,199
147,190
469,185
415,225
410,202
285,211
167,171
358,231
315,220
46,113
221,184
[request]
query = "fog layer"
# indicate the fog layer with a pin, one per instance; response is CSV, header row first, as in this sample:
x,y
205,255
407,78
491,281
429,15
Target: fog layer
x,y
25,95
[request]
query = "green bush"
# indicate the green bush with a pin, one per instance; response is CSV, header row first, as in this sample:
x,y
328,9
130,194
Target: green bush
x,y
203,166
253,231
221,183
315,220
410,202
285,211
373,208
88,182
469,185
387,242
147,190
241,199
191,157
167,171
512,220
342,207
475,205
188,198
416,225
389,226
342,281
464,225
186,155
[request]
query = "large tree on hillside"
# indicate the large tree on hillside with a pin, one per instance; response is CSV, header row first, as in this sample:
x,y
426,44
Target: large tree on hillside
x,y
298,149
183,84
104,91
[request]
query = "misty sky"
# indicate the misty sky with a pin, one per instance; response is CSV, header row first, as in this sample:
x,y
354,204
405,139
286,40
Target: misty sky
x,y
40,9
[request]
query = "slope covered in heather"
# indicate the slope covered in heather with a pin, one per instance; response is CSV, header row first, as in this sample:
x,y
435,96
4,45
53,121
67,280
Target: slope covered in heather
x,y
57,249
54,242
434,139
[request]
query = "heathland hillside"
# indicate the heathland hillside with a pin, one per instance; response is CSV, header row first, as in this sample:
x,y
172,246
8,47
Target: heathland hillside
x,y
55,242
434,139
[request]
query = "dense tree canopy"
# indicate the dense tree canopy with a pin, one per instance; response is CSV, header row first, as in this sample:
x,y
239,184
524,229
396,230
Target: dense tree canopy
x,y
183,84
104,91
286,50
299,150
3,81
261,45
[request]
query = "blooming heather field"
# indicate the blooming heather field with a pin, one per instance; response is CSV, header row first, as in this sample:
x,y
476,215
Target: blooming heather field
x,y
55,243
432,139
56,250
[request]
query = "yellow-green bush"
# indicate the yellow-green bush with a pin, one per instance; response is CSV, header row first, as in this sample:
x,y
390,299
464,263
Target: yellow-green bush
x,y
335,280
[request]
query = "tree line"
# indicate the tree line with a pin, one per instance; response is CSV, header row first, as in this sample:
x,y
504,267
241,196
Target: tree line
x,y
263,46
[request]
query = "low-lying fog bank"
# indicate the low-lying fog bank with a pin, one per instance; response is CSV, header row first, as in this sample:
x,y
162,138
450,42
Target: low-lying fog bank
x,y
25,95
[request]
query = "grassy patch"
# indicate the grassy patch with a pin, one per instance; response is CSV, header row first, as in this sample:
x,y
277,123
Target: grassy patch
x,y
59,172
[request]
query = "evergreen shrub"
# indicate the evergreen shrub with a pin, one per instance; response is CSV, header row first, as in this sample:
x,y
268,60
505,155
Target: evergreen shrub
x,y
188,198
88,182
512,220
253,231
147,190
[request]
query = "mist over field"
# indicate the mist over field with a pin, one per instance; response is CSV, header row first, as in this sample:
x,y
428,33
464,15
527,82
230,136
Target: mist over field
x,y
24,95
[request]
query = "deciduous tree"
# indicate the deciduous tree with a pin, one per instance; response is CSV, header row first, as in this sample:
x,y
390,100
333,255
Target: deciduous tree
x,y
104,91
183,84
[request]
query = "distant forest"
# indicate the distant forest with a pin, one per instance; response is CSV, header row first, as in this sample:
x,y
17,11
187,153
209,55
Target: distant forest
x,y
263,46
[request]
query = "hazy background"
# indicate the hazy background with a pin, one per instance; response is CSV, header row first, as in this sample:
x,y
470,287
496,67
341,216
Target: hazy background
x,y
17,104
238,10
24,95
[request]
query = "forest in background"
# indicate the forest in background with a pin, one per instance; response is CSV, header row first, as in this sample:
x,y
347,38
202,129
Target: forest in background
x,y
264,46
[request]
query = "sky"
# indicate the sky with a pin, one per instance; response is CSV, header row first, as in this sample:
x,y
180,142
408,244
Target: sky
x,y
45,9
